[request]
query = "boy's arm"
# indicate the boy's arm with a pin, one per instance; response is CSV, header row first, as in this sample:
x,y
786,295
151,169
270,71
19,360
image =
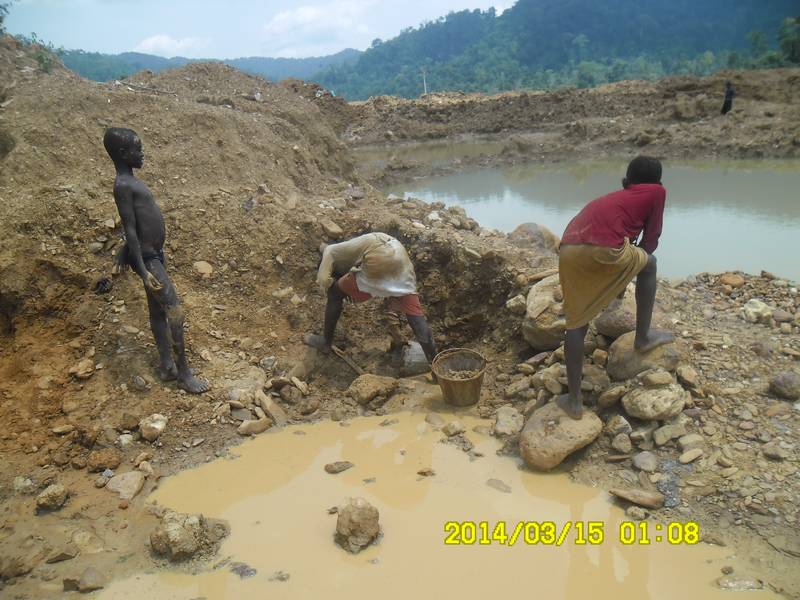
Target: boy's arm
x,y
652,227
124,200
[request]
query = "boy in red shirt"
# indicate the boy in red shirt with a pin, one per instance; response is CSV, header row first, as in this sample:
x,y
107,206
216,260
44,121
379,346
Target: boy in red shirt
x,y
598,259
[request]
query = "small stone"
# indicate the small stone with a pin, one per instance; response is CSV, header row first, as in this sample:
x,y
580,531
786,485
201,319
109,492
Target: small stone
x,y
68,552
646,461
756,311
657,379
622,443
668,432
690,441
688,376
733,280
366,388
24,485
656,404
254,427
202,268
427,472
646,498
91,580
434,420
786,385
517,305
508,421
126,485
729,582
616,425
690,456
774,451
611,396
52,498
637,513
499,485
453,428
153,426
338,466
84,369
331,229
357,525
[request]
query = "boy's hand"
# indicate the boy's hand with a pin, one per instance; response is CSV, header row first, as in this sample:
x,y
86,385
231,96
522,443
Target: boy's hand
x,y
151,283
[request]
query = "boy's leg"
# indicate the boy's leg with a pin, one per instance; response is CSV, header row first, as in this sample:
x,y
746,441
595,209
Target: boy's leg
x,y
166,369
167,297
333,310
646,282
572,403
422,332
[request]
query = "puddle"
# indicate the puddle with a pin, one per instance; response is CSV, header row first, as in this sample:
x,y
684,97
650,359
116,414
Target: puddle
x,y
276,495
720,215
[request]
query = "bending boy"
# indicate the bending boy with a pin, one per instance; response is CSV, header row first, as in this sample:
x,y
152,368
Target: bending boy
x,y
143,252
597,260
371,265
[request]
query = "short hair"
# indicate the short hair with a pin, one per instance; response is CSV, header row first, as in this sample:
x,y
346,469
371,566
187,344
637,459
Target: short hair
x,y
644,169
116,139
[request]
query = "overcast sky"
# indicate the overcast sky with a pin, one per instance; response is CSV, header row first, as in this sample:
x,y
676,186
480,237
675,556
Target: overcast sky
x,y
226,28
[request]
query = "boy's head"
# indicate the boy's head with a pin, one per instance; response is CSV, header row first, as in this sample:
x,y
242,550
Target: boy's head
x,y
123,145
642,169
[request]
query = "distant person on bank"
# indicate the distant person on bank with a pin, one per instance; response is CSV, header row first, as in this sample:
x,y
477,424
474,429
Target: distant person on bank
x,y
597,260
729,94
371,265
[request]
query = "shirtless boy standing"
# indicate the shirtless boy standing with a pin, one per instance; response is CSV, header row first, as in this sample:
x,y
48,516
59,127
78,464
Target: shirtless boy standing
x,y
144,253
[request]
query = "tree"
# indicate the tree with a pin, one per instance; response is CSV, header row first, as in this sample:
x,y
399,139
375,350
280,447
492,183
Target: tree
x,y
4,6
789,39
758,43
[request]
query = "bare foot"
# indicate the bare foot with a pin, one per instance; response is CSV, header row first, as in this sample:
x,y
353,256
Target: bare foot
x,y
167,373
573,407
316,341
193,385
654,339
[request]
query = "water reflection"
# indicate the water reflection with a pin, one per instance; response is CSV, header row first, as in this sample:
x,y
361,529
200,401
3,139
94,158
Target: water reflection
x,y
720,215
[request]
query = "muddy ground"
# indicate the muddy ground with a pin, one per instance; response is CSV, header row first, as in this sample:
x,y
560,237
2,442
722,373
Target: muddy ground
x,y
252,178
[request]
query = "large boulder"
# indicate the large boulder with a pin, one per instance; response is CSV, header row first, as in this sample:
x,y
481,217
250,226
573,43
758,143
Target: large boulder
x,y
367,387
127,485
534,236
357,525
543,325
786,385
550,435
508,421
625,362
619,317
655,404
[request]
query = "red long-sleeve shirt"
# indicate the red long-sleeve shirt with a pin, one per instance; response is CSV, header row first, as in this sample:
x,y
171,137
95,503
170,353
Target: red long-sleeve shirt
x,y
608,220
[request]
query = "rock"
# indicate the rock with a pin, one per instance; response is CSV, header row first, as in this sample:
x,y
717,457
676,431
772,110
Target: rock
x,y
616,425
756,311
291,395
774,451
52,498
782,316
738,584
517,305
356,525
637,513
202,268
271,408
611,396
657,378
500,486
127,485
68,552
434,420
655,404
100,460
331,229
732,279
24,485
535,236
453,428
668,432
83,369
690,441
338,466
786,385
254,427
622,443
550,436
646,498
690,455
366,387
543,325
508,421
619,317
646,461
91,580
624,362
518,387
789,544
129,422
180,536
688,376
153,426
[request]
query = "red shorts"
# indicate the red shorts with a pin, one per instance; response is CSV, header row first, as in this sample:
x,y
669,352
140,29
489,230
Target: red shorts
x,y
408,305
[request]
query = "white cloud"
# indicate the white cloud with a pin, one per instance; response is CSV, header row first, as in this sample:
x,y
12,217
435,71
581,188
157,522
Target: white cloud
x,y
317,29
165,45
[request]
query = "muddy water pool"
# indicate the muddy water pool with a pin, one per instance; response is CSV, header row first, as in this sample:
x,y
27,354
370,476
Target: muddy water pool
x,y
722,215
275,493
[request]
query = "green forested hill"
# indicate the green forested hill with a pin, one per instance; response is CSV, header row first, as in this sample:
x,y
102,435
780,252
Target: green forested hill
x,y
543,43
104,67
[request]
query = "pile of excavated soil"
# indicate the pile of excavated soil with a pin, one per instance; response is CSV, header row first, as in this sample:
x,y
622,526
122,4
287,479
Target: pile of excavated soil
x,y
677,117
252,179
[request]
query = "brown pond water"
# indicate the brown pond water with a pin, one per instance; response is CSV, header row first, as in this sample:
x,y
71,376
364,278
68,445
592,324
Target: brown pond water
x,y
275,495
